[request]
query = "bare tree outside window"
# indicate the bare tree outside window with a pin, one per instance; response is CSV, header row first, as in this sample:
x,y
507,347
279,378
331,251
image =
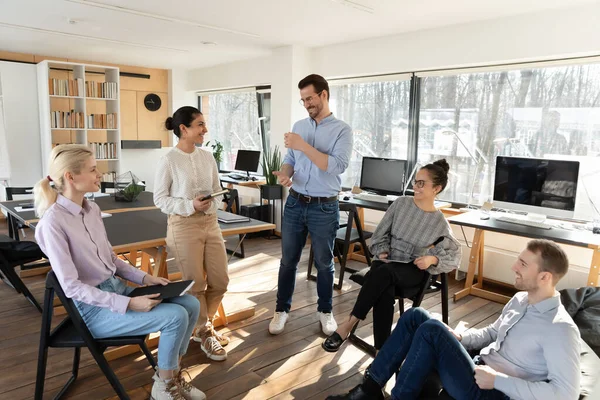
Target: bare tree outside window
x,y
378,115
233,120
543,112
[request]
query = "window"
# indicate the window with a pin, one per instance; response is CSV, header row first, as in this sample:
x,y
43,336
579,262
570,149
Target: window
x,y
378,115
233,119
551,112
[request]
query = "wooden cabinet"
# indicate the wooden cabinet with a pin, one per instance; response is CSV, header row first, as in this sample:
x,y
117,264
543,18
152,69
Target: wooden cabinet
x,y
129,129
151,124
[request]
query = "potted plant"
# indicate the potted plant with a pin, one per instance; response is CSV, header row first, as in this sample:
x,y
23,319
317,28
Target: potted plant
x,y
217,149
271,161
128,187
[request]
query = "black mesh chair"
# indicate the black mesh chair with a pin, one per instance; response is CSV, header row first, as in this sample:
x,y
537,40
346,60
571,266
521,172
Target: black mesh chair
x,y
73,332
106,185
19,253
13,225
415,294
346,236
232,205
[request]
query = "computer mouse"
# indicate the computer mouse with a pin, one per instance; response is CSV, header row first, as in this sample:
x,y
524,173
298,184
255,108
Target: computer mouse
x,y
346,197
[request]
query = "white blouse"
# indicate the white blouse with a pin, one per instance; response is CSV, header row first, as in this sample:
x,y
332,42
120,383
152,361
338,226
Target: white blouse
x,y
181,177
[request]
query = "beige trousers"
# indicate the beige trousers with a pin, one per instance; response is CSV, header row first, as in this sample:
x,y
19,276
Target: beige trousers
x,y
197,245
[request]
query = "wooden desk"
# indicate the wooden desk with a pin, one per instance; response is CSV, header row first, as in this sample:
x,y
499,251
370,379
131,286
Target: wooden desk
x,y
144,227
145,201
476,261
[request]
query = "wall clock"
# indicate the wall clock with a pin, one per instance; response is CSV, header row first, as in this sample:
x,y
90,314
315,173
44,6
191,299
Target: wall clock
x,y
152,102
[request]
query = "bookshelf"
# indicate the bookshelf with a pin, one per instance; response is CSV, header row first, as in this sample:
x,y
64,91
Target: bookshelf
x,y
79,103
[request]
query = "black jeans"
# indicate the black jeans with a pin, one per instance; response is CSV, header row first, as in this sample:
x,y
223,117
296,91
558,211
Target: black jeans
x,y
378,293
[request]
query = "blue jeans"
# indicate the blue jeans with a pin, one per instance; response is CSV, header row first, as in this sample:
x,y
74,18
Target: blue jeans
x,y
321,220
175,318
425,345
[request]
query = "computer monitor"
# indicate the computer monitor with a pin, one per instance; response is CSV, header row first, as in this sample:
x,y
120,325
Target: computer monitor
x,y
247,160
383,175
536,185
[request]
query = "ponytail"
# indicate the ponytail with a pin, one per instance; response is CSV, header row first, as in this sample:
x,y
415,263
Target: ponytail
x,y
44,195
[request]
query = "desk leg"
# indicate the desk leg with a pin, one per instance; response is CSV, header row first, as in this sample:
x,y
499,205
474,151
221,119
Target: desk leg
x,y
473,258
476,260
233,317
594,268
479,283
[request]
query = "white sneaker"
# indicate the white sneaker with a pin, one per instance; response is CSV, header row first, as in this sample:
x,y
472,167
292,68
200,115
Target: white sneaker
x,y
278,322
165,390
328,324
189,391
212,348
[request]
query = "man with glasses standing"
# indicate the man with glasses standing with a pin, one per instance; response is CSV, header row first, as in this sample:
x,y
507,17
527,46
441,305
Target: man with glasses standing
x,y
319,149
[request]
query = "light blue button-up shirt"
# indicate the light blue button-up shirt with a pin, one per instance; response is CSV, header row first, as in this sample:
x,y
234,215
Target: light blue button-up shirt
x,y
333,137
535,348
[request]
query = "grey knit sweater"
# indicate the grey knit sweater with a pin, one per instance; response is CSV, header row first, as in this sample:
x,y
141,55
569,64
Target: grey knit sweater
x,y
406,232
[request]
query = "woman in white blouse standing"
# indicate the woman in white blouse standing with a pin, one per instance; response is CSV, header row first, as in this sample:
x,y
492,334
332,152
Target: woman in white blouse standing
x,y
184,176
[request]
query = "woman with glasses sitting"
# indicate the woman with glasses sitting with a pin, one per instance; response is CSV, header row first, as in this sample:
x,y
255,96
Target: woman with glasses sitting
x,y
412,239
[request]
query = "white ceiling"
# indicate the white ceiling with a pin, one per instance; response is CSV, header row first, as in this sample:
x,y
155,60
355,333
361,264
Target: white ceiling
x,y
170,34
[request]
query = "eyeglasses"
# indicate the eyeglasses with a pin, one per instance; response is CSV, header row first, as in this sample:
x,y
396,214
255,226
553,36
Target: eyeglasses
x,y
419,184
309,99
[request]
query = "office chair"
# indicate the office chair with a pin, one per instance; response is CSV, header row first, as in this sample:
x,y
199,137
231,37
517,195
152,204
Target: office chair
x,y
19,253
415,294
73,332
13,225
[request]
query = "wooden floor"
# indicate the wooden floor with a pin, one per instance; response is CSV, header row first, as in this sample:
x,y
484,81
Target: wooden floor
x,y
260,366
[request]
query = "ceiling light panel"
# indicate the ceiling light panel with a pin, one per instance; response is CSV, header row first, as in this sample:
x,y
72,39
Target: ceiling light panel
x,y
160,17
355,5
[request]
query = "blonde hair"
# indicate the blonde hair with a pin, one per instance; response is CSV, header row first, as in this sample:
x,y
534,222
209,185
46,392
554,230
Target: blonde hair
x,y
63,158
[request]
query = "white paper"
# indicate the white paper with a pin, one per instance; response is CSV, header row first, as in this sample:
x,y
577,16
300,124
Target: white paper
x,y
21,209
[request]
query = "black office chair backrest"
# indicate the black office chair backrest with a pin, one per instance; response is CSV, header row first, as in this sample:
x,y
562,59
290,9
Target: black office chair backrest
x,y
232,201
19,191
72,312
106,185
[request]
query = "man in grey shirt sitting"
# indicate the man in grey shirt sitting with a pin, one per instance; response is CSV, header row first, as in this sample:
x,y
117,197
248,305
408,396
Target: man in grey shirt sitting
x,y
532,351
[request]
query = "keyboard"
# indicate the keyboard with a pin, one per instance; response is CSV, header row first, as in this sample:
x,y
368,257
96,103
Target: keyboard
x,y
371,197
522,221
237,177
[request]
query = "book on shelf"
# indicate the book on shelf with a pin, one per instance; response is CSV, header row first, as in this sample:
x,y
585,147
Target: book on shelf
x,y
102,90
109,176
66,119
102,121
104,151
65,87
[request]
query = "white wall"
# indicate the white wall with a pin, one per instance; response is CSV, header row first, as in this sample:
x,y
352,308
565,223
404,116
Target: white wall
x,y
19,90
142,162
179,95
541,36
